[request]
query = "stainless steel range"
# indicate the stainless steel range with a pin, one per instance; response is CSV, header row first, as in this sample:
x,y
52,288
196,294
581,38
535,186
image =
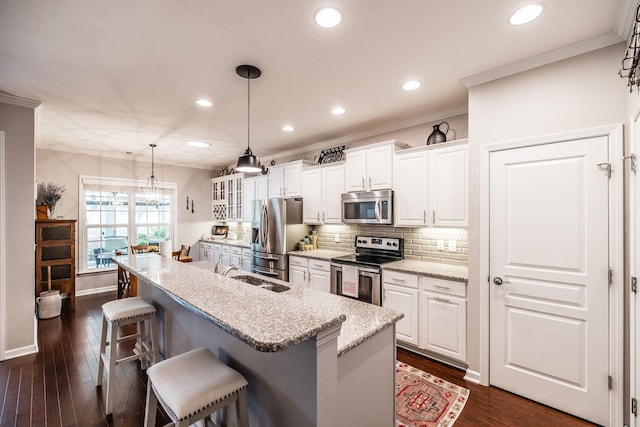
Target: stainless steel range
x,y
359,275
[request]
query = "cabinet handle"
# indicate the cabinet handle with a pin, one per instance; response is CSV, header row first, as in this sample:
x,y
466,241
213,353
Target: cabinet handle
x,y
370,182
424,213
446,288
323,217
445,301
304,275
363,182
434,217
318,215
398,280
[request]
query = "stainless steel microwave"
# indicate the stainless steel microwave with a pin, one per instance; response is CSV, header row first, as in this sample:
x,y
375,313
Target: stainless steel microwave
x,y
368,207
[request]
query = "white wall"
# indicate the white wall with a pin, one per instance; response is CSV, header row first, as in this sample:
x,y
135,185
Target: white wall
x,y
65,168
17,310
577,93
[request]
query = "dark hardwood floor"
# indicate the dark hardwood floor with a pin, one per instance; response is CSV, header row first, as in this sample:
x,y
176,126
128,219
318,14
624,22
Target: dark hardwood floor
x,y
56,387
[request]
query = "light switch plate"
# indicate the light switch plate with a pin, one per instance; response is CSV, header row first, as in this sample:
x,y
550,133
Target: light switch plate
x,y
336,238
441,245
452,245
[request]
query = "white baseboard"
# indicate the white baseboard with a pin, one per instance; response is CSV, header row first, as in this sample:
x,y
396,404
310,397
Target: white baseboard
x,y
94,291
18,352
472,376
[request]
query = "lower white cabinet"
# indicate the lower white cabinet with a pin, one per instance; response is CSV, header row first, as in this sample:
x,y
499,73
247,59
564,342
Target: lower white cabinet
x,y
400,293
435,312
235,256
313,273
206,252
246,259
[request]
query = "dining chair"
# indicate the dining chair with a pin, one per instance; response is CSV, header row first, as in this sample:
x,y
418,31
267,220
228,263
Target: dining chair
x,y
176,255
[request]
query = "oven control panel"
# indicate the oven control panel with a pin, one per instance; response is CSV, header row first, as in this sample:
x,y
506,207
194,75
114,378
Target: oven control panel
x,y
385,243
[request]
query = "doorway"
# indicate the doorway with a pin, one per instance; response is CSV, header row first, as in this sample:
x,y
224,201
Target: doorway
x,y
553,224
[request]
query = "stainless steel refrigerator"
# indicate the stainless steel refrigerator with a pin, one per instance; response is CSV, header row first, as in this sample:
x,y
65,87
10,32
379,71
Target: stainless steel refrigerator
x,y
276,229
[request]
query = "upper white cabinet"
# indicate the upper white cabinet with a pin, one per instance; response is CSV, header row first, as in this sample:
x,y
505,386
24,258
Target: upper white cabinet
x,y
449,186
370,167
431,186
322,188
235,197
285,180
255,188
410,188
219,198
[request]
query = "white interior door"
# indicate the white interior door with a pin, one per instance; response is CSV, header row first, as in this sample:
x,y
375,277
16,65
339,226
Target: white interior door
x,y
549,272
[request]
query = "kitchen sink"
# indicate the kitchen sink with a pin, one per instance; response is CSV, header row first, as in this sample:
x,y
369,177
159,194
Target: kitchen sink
x,y
262,283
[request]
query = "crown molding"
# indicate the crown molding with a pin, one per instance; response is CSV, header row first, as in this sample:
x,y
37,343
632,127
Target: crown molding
x,y
626,18
552,56
452,112
7,98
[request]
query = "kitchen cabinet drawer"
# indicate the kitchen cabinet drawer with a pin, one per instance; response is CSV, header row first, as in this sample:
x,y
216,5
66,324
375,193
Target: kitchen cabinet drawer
x,y
206,245
236,250
400,279
319,265
225,249
444,286
299,261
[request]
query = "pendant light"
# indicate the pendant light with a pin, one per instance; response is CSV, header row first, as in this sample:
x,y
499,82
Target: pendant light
x,y
152,190
248,162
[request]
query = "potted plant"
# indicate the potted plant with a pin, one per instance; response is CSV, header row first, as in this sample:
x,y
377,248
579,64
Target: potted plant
x,y
49,194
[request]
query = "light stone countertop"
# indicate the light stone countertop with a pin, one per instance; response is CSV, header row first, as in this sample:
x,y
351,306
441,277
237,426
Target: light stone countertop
x,y
456,273
236,242
265,320
321,254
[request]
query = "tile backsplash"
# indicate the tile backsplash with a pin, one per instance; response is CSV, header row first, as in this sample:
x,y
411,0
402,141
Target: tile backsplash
x,y
420,243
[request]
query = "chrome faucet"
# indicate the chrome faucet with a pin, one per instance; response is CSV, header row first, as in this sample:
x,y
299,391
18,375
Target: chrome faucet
x,y
228,269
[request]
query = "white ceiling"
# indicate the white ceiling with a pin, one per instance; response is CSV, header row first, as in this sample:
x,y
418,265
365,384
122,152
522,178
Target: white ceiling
x,y
115,76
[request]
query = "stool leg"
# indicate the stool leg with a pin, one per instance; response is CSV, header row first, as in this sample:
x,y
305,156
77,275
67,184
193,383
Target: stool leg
x,y
103,346
151,408
141,328
242,412
111,373
153,330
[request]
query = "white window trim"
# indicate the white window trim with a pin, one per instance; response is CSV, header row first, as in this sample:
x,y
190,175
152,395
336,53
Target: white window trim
x,y
115,182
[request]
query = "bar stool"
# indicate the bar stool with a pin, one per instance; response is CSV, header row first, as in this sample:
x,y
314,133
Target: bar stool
x,y
120,313
193,386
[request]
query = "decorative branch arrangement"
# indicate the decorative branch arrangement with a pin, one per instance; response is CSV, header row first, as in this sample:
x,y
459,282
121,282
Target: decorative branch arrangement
x,y
631,60
50,193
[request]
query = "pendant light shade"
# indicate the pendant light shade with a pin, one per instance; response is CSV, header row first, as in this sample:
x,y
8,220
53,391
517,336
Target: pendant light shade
x,y
152,191
248,162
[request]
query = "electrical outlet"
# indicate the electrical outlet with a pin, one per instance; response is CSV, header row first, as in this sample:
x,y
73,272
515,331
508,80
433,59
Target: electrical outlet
x,y
441,245
452,245
336,238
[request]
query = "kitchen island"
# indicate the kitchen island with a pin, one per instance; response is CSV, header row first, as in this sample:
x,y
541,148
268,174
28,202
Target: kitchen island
x,y
311,358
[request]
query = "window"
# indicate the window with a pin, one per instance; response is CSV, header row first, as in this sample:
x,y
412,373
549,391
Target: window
x,y
115,214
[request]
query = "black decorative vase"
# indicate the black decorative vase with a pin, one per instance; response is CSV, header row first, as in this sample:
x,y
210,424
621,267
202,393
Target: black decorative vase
x,y
437,136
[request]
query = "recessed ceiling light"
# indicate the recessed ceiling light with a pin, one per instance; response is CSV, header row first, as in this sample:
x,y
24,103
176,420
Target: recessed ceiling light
x,y
204,102
526,14
287,128
199,144
411,85
327,17
337,111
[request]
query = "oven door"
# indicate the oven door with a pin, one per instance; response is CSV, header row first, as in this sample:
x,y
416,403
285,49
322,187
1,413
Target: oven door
x,y
369,284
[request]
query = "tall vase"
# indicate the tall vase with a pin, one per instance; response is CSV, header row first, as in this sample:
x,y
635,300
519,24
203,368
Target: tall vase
x,y
438,136
52,211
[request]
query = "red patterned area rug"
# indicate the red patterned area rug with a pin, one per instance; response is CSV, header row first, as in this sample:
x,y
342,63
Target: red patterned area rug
x,y
423,400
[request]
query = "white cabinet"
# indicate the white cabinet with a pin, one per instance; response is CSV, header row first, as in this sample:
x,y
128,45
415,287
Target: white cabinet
x,y
431,186
235,197
370,167
449,186
313,273
206,252
219,199
246,259
285,180
255,188
443,318
410,188
322,188
235,256
400,293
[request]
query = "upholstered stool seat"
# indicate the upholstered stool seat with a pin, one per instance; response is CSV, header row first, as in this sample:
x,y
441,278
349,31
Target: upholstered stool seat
x,y
119,313
192,386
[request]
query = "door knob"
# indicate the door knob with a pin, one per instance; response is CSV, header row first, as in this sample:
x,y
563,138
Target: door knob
x,y
498,281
